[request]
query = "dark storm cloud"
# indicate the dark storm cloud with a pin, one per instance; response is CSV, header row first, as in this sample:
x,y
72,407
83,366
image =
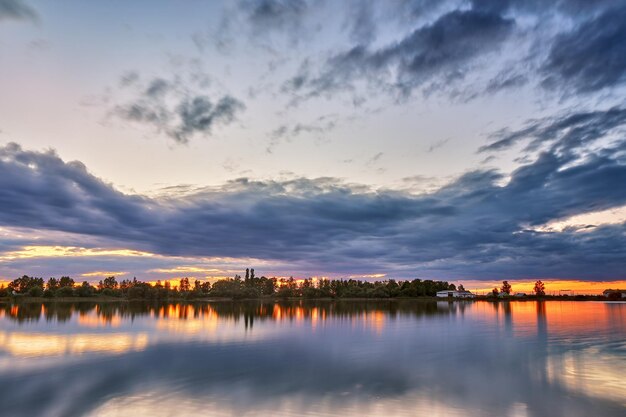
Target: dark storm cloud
x,y
472,227
569,7
440,51
17,10
64,189
590,57
567,133
585,50
179,112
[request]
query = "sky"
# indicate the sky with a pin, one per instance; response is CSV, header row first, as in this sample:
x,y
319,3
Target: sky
x,y
468,141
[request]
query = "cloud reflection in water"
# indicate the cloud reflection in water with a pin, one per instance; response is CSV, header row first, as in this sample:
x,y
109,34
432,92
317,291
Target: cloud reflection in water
x,y
391,358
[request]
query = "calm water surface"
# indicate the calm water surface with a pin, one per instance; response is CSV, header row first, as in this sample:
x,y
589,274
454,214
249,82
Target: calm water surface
x,y
319,359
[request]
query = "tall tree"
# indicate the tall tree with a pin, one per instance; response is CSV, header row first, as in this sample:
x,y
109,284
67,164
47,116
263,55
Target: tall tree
x,y
540,289
85,290
506,288
184,285
66,282
25,283
52,284
108,283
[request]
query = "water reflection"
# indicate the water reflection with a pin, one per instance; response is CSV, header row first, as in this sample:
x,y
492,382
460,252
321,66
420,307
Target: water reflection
x,y
314,358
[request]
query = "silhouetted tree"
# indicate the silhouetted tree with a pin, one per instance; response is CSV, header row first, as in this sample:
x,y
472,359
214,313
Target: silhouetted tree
x,y
109,283
52,284
506,288
268,285
393,288
35,291
184,285
232,287
23,284
66,282
540,289
323,286
85,290
65,291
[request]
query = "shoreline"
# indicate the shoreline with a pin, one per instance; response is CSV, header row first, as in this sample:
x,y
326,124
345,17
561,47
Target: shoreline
x,y
108,299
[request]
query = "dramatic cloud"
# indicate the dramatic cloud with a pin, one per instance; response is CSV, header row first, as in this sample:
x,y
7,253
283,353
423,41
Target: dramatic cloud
x,y
440,51
592,56
16,9
474,227
175,110
565,134
484,224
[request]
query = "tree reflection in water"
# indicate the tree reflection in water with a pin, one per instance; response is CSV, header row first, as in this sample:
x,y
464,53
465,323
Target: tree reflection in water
x,y
314,357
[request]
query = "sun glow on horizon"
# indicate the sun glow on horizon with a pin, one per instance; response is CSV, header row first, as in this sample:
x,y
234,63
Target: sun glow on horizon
x,y
586,221
552,286
28,252
104,274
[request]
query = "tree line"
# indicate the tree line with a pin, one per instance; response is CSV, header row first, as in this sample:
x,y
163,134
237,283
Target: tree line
x,y
249,286
245,310
505,290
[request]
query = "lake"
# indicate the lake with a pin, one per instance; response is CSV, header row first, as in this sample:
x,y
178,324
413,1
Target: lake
x,y
349,358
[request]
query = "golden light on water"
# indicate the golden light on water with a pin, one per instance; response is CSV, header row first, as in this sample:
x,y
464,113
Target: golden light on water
x,y
564,342
21,344
590,372
98,321
160,404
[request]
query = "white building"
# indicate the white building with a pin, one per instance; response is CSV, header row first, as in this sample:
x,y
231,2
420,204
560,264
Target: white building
x,y
456,294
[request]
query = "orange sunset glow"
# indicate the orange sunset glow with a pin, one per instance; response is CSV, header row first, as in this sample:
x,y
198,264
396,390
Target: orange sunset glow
x,y
313,208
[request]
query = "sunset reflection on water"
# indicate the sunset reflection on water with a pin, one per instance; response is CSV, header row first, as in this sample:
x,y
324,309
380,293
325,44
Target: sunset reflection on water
x,y
518,358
